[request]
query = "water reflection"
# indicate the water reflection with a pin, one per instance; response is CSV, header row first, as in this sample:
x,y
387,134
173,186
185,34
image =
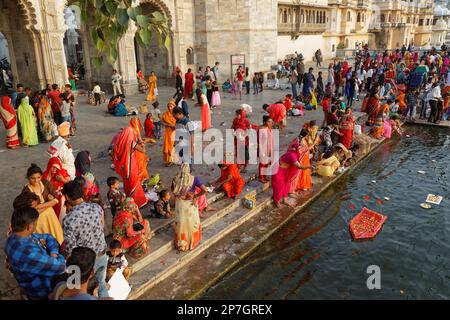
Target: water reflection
x,y
314,256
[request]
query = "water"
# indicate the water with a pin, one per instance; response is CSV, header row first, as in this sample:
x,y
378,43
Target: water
x,y
314,256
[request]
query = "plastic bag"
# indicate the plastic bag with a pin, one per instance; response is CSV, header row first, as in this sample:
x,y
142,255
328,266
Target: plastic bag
x,y
154,180
249,201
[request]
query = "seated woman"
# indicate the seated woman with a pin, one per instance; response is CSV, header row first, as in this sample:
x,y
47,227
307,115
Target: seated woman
x,y
131,229
230,180
120,109
328,165
112,104
274,83
48,221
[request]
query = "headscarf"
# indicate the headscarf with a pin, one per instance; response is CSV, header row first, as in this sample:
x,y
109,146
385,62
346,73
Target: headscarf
x,y
241,123
53,162
136,124
183,180
129,205
82,163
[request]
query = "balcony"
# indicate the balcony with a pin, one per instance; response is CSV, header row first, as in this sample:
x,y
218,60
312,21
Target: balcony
x,y
303,28
363,4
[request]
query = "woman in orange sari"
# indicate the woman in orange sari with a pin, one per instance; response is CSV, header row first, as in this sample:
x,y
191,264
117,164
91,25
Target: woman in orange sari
x,y
45,118
142,157
8,115
206,114
126,163
347,125
302,181
230,180
169,122
188,84
152,87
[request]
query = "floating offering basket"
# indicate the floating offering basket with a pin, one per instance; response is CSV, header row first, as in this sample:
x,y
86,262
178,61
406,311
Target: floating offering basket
x,y
366,224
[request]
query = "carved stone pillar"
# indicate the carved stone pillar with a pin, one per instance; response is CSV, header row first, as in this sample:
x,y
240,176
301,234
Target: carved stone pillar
x,y
127,60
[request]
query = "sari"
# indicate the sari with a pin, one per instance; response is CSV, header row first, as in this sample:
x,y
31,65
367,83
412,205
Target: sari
x,y
188,229
9,119
206,114
347,125
243,124
265,151
47,221
149,126
169,137
57,185
27,121
60,149
126,165
45,118
282,180
188,85
152,85
136,242
327,167
91,188
372,108
277,112
141,157
303,179
233,187
378,127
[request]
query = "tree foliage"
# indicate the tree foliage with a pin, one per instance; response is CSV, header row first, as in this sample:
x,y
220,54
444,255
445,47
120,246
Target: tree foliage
x,y
110,19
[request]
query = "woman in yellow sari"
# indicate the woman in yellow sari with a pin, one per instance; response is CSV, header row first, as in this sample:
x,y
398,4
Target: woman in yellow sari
x,y
169,122
152,87
48,221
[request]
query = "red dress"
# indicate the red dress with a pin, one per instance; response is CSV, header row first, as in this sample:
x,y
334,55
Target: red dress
x,y
56,185
149,126
188,85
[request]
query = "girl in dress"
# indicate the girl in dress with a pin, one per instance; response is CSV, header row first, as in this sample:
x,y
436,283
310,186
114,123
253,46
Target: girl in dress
x,y
215,100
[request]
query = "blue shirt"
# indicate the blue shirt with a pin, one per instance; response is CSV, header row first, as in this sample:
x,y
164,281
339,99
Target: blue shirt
x,y
32,263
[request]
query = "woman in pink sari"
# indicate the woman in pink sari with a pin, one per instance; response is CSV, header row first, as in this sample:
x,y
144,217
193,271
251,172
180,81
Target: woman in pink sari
x,y
288,168
126,163
8,115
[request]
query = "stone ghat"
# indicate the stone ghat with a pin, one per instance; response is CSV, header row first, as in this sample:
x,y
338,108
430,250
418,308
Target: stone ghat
x,y
441,124
232,234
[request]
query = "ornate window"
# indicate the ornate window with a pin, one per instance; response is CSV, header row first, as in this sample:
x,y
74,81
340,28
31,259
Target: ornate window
x,y
302,16
358,17
285,16
349,16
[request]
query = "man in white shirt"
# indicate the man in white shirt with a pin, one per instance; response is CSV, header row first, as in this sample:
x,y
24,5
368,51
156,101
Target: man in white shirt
x,y
115,78
63,150
435,99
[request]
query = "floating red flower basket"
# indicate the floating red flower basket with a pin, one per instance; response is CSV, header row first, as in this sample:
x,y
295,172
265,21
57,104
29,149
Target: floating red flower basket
x,y
366,224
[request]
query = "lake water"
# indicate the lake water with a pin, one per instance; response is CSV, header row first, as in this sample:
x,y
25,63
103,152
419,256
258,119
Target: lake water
x,y
314,257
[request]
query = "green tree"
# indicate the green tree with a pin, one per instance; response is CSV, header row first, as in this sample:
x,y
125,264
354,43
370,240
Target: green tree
x,y
110,20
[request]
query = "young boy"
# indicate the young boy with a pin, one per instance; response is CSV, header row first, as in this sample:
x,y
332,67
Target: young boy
x,y
115,196
97,93
116,260
156,117
184,136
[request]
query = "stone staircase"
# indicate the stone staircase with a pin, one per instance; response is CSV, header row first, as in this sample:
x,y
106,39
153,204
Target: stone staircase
x,y
164,260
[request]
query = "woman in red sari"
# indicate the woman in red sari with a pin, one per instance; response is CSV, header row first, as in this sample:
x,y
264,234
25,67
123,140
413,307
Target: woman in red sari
x,y
126,163
347,125
188,84
141,156
57,177
373,105
9,118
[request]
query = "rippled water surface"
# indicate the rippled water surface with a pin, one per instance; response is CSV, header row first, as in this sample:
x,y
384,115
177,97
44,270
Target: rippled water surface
x,y
314,256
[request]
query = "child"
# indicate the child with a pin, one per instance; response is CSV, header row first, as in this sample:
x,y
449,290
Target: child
x,y
394,107
117,260
97,93
226,85
156,118
162,206
115,196
149,127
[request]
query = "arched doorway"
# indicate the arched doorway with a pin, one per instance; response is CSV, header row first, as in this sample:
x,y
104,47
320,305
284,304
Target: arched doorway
x,y
17,46
6,74
154,57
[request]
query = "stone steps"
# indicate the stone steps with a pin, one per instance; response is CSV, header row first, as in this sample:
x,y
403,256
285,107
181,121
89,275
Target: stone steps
x,y
163,236
164,262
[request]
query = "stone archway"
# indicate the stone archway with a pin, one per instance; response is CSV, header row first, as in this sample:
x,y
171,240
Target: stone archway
x,y
154,58
16,24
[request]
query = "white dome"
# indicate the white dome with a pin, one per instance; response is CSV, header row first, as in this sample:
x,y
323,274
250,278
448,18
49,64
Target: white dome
x,y
438,11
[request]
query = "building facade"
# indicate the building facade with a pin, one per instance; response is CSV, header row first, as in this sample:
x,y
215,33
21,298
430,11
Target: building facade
x,y
43,38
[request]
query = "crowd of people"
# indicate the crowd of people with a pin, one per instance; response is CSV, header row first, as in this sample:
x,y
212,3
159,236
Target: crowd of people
x,y
59,216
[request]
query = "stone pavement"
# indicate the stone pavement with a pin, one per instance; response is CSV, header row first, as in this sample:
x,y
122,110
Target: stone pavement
x,y
95,131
